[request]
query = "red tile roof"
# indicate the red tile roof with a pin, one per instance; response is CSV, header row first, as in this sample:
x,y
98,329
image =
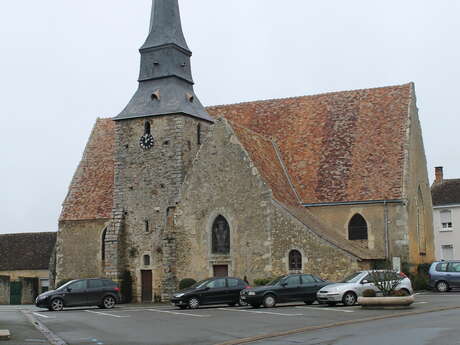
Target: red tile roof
x,y
264,155
90,193
342,146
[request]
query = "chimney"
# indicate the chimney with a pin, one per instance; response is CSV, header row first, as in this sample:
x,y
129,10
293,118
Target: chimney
x,y
439,175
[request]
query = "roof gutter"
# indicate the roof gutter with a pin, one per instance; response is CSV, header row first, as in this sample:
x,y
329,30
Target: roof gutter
x,y
348,203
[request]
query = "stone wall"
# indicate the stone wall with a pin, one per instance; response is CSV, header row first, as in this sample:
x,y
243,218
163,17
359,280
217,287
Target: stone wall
x,y
16,275
147,185
223,181
4,289
79,249
29,290
319,257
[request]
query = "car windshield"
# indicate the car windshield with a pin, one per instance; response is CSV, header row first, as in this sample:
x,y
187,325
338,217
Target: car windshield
x,y
275,281
65,285
199,284
352,278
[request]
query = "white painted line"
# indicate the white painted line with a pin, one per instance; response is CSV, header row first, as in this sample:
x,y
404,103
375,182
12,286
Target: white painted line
x,y
328,309
99,313
260,312
45,316
177,313
420,302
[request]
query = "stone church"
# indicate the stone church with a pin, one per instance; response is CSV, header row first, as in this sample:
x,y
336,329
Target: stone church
x,y
169,189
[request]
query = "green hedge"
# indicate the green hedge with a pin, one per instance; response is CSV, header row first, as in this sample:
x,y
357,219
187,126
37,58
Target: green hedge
x,y
186,283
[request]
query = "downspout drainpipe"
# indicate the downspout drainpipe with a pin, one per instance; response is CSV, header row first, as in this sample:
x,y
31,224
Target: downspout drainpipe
x,y
387,235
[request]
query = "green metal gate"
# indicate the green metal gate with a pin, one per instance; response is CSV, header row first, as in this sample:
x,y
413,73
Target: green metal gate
x,y
15,292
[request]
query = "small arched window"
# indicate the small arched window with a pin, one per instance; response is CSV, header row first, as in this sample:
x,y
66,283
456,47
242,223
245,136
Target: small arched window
x,y
220,236
295,260
147,129
357,228
104,234
146,260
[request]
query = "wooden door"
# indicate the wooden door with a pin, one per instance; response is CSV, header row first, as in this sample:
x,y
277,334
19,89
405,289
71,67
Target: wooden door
x,y
15,292
146,285
220,270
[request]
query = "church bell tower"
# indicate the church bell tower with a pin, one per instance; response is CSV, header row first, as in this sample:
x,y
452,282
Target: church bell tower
x,y
157,136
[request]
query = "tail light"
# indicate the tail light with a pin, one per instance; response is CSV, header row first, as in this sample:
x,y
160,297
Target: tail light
x,y
117,289
247,287
401,274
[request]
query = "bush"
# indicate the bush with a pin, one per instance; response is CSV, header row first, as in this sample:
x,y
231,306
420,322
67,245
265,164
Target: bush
x,y
262,281
399,293
62,282
126,287
369,293
420,282
186,283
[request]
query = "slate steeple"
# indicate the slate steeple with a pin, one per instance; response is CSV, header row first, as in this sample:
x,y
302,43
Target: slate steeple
x,y
165,79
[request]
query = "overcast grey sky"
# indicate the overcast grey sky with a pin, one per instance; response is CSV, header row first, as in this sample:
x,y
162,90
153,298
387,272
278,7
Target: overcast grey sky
x,y
64,63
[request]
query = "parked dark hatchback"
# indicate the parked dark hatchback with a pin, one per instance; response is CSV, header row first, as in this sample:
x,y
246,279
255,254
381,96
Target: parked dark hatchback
x,y
224,290
83,292
288,288
444,275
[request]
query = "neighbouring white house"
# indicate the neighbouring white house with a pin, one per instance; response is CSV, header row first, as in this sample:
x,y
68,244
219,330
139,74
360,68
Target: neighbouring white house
x,y
446,216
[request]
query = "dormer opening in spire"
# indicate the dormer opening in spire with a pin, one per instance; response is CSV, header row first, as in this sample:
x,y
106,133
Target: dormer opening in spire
x,y
166,68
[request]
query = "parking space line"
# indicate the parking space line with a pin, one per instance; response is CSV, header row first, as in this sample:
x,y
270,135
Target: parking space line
x,y
45,316
259,312
99,313
326,309
177,313
420,302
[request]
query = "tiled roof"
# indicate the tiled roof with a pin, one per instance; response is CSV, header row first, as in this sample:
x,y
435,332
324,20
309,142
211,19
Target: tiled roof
x,y
342,146
446,193
263,153
90,193
28,251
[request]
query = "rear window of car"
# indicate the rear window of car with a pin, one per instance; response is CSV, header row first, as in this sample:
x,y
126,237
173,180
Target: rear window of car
x,y
95,283
233,282
441,267
454,267
107,282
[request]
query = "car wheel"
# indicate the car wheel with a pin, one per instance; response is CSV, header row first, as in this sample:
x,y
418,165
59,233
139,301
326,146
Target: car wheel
x,y
310,302
194,303
269,301
442,286
108,302
349,298
57,304
242,303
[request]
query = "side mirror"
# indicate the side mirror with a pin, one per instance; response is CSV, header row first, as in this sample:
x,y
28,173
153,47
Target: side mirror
x,y
206,288
284,284
365,281
69,289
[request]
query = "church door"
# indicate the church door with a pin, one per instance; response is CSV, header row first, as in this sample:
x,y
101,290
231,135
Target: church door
x,y
220,270
146,285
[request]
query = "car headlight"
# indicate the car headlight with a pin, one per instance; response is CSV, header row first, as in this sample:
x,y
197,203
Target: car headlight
x,y
179,295
251,293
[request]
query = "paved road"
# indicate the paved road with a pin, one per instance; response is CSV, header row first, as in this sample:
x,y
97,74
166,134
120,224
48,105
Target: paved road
x,y
165,325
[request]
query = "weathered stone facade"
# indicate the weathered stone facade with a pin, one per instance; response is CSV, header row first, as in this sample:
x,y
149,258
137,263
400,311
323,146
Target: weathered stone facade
x,y
4,289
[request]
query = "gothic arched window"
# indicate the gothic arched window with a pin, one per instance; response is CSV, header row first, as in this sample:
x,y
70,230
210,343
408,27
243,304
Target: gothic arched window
x,y
357,228
147,129
295,260
220,236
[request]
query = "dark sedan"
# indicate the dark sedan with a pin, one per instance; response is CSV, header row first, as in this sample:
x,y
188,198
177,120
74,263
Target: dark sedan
x,y
210,291
288,288
83,292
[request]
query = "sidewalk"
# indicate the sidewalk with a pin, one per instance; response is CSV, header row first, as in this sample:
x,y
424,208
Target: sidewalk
x,y
22,331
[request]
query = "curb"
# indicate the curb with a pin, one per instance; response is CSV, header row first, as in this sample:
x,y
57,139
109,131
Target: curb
x,y
52,338
5,334
331,325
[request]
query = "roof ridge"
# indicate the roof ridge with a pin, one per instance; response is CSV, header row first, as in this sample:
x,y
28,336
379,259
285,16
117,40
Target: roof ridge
x,y
313,95
29,233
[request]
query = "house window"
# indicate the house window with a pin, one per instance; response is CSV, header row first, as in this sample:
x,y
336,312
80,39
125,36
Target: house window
x,y
357,228
146,226
146,260
104,234
295,260
220,236
198,134
446,220
447,252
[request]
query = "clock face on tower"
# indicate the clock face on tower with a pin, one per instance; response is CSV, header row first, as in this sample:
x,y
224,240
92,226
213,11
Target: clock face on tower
x,y
146,141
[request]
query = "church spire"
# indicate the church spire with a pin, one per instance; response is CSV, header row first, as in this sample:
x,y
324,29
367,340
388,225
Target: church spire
x,y
165,79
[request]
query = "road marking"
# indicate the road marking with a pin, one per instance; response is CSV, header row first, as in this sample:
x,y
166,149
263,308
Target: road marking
x,y
326,309
45,316
177,313
420,302
98,312
259,312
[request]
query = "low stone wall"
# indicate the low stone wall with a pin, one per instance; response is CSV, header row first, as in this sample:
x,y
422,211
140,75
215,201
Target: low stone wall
x,y
4,290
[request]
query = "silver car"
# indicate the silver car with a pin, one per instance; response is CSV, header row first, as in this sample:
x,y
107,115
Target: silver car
x,y
348,290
